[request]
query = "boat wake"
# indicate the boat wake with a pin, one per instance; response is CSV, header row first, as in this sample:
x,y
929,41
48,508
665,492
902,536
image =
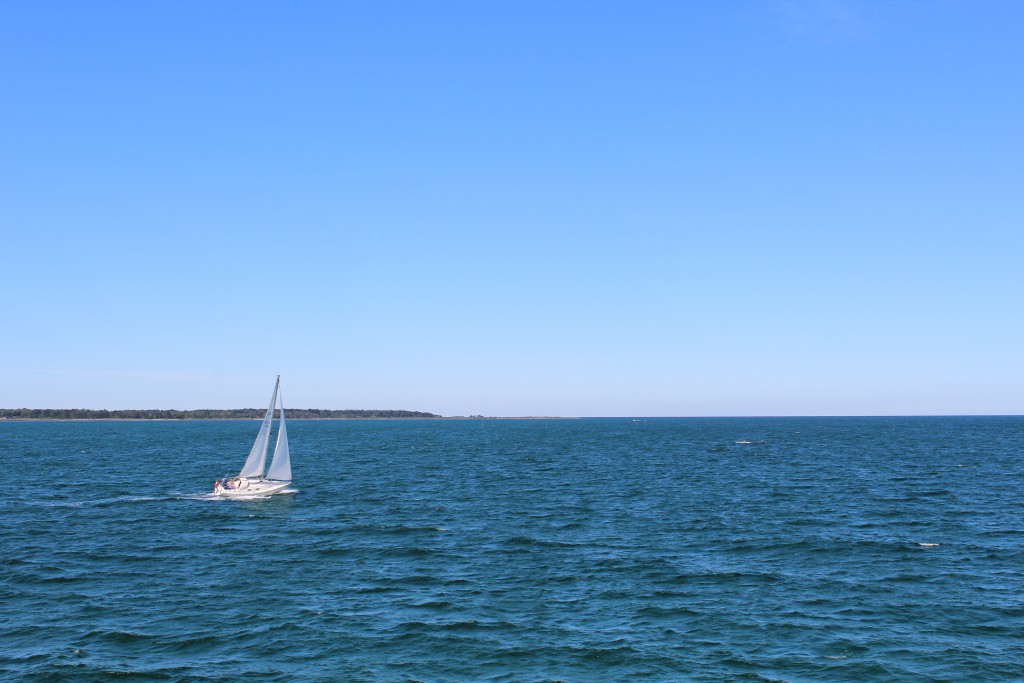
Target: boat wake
x,y
215,497
104,502
132,499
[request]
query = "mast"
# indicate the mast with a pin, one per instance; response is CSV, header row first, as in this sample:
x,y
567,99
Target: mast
x,y
253,466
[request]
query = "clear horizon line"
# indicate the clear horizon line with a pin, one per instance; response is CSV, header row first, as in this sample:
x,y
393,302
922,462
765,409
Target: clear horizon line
x,y
553,417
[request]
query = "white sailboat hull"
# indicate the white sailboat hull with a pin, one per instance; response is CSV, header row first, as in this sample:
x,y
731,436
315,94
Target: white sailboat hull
x,y
253,489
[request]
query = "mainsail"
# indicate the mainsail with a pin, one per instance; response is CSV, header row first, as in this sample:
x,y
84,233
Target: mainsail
x,y
281,464
258,455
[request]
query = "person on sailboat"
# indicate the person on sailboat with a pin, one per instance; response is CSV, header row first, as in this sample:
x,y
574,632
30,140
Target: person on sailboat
x,y
229,484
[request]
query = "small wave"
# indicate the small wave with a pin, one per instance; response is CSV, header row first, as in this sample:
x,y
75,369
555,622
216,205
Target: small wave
x,y
127,558
432,604
59,579
668,612
407,626
396,528
457,582
476,624
120,636
730,576
530,541
406,551
843,649
608,655
27,658
64,654
171,673
194,641
415,579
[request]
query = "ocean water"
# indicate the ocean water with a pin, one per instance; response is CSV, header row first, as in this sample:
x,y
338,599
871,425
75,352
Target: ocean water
x,y
826,549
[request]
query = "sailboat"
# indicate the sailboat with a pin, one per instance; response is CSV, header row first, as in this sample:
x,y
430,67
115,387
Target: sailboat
x,y
252,480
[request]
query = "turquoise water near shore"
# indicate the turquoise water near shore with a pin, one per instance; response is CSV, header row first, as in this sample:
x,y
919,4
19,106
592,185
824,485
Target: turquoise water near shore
x,y
826,549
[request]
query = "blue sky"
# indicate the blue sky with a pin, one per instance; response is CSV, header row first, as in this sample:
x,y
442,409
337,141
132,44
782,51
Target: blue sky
x,y
772,207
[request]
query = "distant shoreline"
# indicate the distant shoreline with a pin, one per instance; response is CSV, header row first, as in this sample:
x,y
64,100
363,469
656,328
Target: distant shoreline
x,y
290,419
205,419
203,414
4,418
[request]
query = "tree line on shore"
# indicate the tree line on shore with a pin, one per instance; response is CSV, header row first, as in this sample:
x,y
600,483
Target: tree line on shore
x,y
231,414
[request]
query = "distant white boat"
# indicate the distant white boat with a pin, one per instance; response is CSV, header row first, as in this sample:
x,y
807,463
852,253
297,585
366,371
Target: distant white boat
x,y
252,480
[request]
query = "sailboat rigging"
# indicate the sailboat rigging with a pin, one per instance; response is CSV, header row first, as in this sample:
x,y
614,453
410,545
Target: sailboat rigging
x,y
252,480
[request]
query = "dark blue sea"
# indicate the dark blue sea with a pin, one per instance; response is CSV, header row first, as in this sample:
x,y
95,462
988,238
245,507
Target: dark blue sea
x,y
826,549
